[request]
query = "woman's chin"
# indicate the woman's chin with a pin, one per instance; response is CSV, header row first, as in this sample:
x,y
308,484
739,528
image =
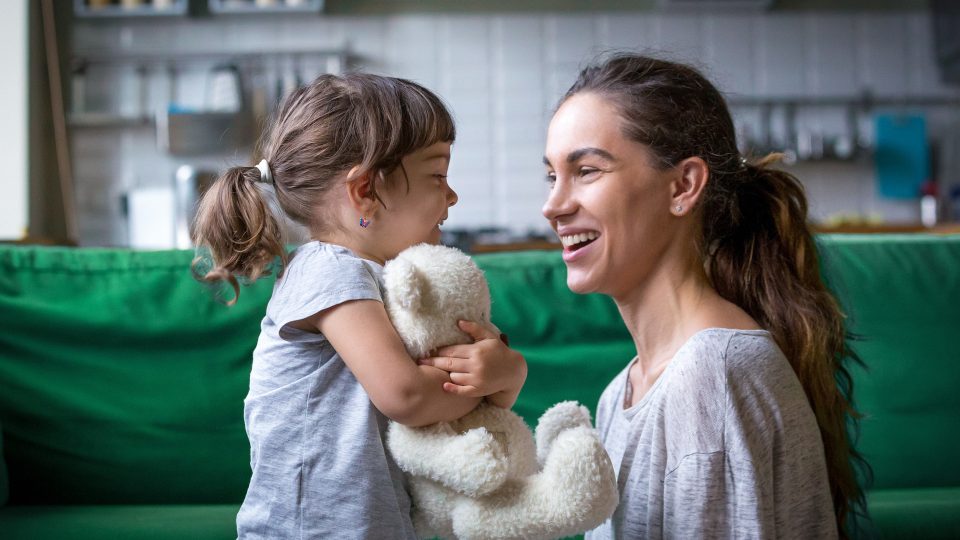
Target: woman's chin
x,y
579,283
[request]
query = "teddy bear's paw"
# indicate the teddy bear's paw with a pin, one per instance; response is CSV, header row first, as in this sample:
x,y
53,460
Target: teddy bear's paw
x,y
557,419
576,491
578,479
477,463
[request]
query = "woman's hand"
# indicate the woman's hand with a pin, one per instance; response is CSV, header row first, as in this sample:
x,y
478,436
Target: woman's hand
x,y
486,367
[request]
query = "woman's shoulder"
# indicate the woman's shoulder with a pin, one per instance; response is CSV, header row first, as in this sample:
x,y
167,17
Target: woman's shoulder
x,y
735,349
715,358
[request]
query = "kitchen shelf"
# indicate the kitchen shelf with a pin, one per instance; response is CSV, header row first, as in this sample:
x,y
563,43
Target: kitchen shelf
x,y
83,60
108,120
85,9
228,7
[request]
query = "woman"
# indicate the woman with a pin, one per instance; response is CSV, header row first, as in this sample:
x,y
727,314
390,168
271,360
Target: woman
x,y
730,421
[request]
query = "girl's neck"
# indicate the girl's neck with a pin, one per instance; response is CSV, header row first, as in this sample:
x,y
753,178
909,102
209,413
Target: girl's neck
x,y
359,248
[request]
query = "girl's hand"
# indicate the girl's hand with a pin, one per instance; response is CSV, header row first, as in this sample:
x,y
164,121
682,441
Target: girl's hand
x,y
487,367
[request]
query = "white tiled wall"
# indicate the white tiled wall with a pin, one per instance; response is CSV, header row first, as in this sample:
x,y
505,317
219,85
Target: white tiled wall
x,y
502,75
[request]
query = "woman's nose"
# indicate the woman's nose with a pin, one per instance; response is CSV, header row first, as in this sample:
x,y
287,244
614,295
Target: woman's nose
x,y
559,202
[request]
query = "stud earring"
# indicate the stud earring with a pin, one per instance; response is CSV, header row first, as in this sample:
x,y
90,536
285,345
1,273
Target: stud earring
x,y
679,209
364,223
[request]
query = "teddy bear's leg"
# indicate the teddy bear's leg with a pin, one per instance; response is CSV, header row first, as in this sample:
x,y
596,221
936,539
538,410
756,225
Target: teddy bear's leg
x,y
561,417
472,463
432,508
576,491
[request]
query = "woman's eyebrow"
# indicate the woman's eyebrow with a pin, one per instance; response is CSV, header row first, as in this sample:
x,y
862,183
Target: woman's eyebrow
x,y
572,157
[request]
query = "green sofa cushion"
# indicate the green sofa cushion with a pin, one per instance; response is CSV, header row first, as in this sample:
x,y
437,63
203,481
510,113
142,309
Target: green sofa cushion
x,y
123,379
902,296
105,522
4,483
929,513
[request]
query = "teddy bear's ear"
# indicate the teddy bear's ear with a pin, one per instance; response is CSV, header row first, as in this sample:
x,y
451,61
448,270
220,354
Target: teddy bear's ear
x,y
406,284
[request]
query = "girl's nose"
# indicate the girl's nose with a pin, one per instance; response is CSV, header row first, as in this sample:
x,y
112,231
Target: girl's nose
x,y
451,196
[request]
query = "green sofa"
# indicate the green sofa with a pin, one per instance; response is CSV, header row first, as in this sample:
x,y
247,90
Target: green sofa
x,y
122,380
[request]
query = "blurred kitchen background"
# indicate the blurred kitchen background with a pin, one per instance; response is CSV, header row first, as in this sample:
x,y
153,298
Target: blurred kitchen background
x,y
153,98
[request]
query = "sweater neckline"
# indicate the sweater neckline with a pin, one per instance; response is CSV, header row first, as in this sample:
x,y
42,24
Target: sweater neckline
x,y
626,391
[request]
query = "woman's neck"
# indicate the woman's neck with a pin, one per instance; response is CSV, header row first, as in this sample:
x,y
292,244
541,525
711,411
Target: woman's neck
x,y
669,308
664,311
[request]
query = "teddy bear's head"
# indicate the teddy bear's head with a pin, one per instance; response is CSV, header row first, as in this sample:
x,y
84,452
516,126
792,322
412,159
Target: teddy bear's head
x,y
428,289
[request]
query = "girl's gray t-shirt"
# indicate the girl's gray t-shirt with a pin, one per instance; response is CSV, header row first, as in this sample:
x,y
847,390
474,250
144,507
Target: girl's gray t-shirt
x,y
320,466
724,445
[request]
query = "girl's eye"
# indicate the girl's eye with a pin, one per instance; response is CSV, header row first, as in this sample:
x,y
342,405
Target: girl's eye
x,y
587,171
440,177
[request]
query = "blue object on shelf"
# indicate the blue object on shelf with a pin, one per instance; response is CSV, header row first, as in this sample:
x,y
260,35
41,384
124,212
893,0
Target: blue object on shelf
x,y
901,155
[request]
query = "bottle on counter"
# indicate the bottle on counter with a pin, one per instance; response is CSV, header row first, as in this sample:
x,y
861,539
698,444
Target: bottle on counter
x,y
928,204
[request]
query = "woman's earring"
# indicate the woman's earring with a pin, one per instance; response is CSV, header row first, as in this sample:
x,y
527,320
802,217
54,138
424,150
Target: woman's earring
x,y
364,223
679,209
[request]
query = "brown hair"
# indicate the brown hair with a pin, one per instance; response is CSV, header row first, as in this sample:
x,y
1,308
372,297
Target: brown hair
x,y
755,242
321,131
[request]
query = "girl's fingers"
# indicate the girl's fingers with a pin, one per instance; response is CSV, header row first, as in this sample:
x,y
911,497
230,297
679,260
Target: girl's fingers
x,y
458,351
477,331
445,363
461,390
463,379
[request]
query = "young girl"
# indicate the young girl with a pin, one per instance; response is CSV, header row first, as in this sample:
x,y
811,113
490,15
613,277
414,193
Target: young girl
x,y
361,162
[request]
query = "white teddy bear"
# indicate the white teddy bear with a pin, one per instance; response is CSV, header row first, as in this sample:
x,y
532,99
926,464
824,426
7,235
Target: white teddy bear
x,y
482,476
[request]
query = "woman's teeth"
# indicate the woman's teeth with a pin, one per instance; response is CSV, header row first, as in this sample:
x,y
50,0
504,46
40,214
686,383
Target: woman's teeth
x,y
574,239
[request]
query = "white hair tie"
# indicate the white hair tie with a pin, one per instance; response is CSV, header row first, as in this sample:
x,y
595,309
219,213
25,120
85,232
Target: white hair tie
x,y
264,169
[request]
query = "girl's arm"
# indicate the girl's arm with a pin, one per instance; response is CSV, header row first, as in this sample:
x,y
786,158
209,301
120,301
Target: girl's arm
x,y
411,394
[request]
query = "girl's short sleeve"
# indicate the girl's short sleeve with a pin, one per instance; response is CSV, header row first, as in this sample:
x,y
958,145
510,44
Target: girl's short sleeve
x,y
319,277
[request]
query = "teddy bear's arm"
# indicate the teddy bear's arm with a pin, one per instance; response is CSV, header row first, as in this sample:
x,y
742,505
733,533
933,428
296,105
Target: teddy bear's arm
x,y
472,463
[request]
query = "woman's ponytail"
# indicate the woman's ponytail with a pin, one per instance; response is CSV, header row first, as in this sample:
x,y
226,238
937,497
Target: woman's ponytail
x,y
760,254
234,222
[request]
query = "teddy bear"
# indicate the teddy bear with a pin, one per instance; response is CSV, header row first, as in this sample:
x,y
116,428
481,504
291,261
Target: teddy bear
x,y
485,475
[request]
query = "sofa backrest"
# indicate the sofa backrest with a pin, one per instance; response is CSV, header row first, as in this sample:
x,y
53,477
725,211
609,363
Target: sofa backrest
x,y
122,378
902,298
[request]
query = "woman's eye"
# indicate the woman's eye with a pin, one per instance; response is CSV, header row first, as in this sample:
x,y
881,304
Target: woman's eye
x,y
587,171
551,178
440,177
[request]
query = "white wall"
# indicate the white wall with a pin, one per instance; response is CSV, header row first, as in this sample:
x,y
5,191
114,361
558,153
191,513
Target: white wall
x,y
13,111
502,75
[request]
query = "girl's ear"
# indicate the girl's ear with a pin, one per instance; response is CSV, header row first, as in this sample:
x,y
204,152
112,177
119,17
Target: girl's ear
x,y
360,189
688,185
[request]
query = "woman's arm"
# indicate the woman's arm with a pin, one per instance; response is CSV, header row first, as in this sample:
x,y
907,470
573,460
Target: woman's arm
x,y
411,394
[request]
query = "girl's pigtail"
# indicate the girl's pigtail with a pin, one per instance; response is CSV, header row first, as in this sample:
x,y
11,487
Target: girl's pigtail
x,y
761,255
234,222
